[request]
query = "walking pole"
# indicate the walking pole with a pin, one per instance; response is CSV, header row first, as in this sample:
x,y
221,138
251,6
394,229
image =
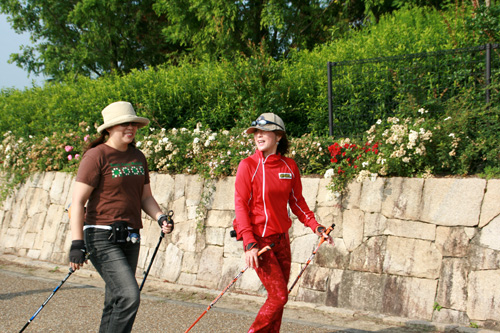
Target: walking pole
x,y
169,216
47,300
312,256
264,249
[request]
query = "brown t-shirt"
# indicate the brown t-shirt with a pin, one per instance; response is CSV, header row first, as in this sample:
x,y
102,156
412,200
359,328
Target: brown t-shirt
x,y
118,179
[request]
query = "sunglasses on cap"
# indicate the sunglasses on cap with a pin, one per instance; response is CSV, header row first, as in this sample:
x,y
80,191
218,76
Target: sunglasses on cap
x,y
129,124
262,122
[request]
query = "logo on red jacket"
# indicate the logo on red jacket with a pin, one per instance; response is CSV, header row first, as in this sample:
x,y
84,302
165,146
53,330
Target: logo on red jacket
x,y
284,175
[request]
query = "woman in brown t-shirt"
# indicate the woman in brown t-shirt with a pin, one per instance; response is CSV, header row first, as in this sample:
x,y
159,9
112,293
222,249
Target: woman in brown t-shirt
x,y
113,182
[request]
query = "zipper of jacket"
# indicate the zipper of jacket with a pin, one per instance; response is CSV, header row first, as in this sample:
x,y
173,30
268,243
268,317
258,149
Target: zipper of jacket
x,y
264,194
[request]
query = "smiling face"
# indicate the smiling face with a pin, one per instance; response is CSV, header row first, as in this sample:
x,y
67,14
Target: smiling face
x,y
266,141
120,136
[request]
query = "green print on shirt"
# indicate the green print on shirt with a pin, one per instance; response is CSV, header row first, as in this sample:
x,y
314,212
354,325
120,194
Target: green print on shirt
x,y
127,169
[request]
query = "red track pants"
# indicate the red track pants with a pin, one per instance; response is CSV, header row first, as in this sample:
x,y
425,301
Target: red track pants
x,y
274,272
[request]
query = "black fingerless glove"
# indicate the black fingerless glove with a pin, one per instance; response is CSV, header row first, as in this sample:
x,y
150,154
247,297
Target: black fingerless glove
x,y
77,252
320,229
163,218
250,246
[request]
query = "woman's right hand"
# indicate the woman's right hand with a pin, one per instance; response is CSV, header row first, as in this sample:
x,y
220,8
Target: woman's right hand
x,y
77,254
251,258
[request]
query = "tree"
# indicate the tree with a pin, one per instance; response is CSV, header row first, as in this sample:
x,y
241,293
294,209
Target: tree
x,y
88,37
224,28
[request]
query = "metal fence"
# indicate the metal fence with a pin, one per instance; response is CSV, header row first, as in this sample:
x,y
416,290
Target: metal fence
x,y
362,91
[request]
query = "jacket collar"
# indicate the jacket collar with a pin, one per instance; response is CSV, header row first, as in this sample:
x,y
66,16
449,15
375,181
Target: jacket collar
x,y
270,158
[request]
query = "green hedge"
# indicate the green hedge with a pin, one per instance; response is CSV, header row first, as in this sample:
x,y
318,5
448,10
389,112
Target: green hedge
x,y
227,94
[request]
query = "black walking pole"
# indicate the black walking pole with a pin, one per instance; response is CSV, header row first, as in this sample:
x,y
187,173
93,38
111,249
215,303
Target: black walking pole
x,y
162,235
48,299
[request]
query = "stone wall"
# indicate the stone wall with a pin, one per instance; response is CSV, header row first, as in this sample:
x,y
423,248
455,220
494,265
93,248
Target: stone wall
x,y
409,247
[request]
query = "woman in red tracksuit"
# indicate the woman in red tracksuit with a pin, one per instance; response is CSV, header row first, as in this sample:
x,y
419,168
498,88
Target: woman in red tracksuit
x,y
266,183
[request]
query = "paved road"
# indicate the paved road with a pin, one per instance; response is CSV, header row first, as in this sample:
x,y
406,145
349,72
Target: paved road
x,y
77,305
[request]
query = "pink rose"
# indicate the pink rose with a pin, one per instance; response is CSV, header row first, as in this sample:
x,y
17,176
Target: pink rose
x,y
70,157
68,148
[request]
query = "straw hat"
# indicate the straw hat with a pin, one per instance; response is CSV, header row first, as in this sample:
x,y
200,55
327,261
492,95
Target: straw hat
x,y
118,113
267,122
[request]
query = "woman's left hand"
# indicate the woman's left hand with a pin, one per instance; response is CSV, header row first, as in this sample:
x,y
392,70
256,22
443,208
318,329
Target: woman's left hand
x,y
321,232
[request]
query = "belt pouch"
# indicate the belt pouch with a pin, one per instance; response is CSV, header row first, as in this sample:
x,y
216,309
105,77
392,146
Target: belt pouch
x,y
119,232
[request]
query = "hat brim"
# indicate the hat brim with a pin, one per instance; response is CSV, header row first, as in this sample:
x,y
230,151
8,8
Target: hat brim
x,y
267,127
125,119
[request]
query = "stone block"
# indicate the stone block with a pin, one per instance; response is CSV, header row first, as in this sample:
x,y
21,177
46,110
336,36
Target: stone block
x,y
353,224
450,316
232,247
481,258
452,288
170,267
37,201
360,291
186,279
210,269
452,241
179,208
410,229
249,281
302,247
57,189
19,215
335,256
327,198
311,296
351,199
35,180
48,180
375,224
403,198
489,236
162,186
215,236
332,295
220,218
11,238
190,263
230,268
192,213
179,186
328,215
185,236
28,240
310,187
298,228
194,189
369,257
33,254
490,207
372,194
315,277
452,202
52,223
224,195
412,257
46,252
483,302
409,297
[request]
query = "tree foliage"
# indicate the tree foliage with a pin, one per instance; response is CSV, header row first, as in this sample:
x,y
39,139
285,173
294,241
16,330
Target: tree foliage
x,y
95,37
88,37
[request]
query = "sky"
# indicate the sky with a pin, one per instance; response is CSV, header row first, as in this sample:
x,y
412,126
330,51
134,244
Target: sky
x,y
12,76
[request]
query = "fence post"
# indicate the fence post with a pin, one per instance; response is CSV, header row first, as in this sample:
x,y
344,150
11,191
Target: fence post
x,y
488,71
330,106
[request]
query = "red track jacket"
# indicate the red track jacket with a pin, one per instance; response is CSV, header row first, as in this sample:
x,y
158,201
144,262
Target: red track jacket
x,y
263,188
